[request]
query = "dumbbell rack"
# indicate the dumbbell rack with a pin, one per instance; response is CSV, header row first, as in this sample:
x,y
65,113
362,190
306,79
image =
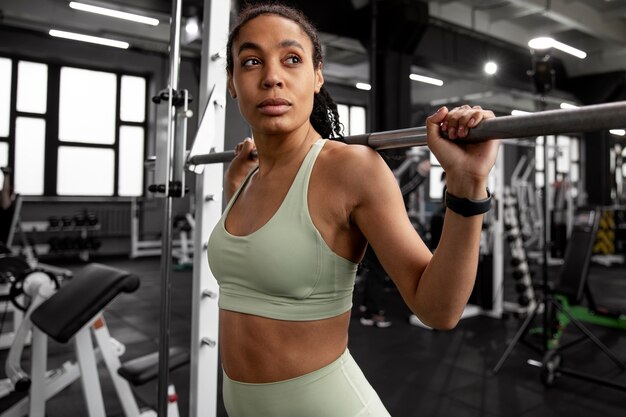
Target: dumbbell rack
x,y
526,299
44,228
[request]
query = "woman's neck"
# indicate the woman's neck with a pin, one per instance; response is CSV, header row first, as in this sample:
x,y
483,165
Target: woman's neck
x,y
279,150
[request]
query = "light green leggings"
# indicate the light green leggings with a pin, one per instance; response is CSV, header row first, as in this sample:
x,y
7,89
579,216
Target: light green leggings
x,y
336,390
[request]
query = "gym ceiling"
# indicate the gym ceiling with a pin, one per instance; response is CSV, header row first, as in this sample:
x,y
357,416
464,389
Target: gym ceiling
x,y
450,40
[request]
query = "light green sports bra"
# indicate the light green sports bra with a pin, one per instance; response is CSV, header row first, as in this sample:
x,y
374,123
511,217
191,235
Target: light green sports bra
x,y
284,270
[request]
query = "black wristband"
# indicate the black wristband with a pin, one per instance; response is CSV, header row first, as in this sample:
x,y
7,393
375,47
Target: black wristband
x,y
466,207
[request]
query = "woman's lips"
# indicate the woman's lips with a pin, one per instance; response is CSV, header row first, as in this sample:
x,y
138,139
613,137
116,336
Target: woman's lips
x,y
274,107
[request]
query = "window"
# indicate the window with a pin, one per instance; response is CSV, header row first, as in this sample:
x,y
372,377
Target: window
x,y
98,149
132,105
131,161
353,119
32,87
30,127
87,106
85,171
5,97
5,111
30,137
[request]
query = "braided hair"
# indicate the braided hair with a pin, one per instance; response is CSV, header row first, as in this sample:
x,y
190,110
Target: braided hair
x,y
324,117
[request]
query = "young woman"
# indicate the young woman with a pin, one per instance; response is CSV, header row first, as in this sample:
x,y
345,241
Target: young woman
x,y
287,247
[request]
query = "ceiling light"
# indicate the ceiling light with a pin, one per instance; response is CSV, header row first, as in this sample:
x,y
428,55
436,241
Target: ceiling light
x,y
114,13
425,79
87,38
547,43
192,27
519,112
192,30
618,132
568,106
363,86
541,43
491,68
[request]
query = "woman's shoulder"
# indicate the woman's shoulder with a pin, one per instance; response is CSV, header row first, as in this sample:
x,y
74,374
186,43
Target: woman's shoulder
x,y
351,165
342,155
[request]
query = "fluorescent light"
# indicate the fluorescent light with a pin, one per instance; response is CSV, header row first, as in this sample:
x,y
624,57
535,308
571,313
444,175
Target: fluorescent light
x,y
87,38
618,132
568,106
491,68
547,43
519,112
570,50
363,86
114,13
425,79
541,43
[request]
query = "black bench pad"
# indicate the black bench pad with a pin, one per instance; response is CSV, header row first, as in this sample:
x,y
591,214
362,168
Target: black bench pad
x,y
77,302
140,370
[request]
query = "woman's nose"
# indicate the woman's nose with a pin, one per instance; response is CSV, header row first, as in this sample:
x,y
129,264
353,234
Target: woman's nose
x,y
272,77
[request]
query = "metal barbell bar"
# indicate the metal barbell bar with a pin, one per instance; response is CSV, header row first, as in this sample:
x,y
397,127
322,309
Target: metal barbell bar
x,y
549,122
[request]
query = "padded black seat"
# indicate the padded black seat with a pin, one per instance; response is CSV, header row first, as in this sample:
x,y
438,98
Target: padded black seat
x,y
572,278
77,302
145,368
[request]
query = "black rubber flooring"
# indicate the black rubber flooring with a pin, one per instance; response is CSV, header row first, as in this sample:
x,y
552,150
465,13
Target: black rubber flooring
x,y
416,371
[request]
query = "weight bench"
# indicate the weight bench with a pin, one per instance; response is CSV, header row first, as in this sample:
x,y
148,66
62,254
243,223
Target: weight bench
x,y
71,313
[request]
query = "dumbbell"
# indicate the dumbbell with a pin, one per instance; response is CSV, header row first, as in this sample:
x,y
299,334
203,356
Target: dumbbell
x,y
54,222
91,219
66,221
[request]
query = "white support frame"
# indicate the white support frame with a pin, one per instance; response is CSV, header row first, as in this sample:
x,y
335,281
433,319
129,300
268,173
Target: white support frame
x,y
205,313
498,233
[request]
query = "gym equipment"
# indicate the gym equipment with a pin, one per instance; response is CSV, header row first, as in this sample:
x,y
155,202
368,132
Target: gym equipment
x,y
38,287
570,292
566,301
413,187
15,272
71,313
182,248
519,261
549,122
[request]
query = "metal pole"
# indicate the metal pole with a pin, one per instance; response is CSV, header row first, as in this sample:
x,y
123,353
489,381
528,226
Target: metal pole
x,y
549,122
166,238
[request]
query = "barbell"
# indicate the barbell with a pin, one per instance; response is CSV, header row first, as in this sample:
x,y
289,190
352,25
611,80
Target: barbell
x,y
548,122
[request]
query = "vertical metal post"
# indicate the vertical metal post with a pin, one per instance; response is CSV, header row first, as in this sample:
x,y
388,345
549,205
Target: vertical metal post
x,y
208,209
166,237
546,239
373,111
498,237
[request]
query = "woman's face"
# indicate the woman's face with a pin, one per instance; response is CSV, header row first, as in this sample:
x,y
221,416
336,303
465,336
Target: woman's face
x,y
273,76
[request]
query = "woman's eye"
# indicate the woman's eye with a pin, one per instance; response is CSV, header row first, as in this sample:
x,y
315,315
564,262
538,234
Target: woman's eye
x,y
294,59
250,62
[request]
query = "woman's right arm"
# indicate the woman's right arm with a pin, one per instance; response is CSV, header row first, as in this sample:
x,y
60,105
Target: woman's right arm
x,y
240,166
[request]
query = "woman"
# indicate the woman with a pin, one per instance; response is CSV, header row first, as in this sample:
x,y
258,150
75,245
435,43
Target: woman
x,y
287,247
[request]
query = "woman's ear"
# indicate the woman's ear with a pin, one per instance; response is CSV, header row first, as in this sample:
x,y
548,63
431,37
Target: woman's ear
x,y
319,78
230,86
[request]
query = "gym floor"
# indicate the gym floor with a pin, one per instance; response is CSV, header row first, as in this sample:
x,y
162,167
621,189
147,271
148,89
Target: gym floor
x,y
417,372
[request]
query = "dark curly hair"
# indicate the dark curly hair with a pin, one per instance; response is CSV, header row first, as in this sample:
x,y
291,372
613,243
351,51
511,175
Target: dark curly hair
x,y
324,117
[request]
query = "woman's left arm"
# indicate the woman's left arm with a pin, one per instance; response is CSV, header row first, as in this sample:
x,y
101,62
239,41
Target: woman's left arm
x,y
435,287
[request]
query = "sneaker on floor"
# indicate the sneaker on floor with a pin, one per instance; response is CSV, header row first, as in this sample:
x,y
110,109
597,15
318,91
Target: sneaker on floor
x,y
375,320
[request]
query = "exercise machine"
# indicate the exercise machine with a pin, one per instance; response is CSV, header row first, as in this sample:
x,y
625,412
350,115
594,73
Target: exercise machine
x,y
74,312
564,306
571,293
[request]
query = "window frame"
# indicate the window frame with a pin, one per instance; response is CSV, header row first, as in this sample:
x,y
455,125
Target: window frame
x,y
51,119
